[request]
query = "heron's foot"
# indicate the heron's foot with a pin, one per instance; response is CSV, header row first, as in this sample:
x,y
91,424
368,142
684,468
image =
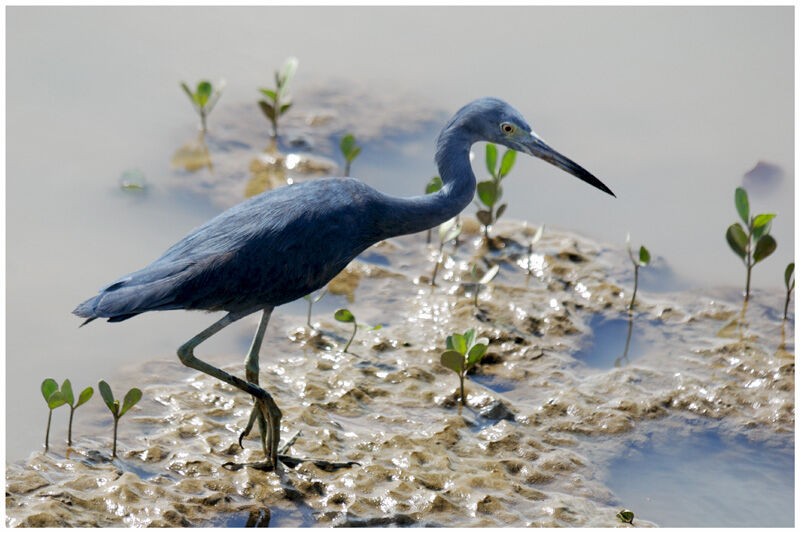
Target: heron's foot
x,y
291,462
288,460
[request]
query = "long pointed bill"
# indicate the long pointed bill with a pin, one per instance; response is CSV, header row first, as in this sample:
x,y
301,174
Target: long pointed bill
x,y
537,148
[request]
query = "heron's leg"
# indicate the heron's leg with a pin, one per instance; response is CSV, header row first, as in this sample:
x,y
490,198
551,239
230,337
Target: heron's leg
x,y
251,374
265,402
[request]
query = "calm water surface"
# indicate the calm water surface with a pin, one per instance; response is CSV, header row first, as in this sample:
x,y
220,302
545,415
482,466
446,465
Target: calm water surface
x,y
669,107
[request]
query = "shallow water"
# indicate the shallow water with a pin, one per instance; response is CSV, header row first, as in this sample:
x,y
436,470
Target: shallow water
x,y
649,136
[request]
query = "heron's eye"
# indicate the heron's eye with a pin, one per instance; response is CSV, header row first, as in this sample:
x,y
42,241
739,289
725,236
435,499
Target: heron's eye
x,y
507,128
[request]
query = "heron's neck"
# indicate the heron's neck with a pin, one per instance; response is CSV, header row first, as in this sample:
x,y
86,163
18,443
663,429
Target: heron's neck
x,y
411,215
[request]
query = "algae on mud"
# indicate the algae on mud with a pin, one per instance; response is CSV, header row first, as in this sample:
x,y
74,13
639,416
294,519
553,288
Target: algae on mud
x,y
530,450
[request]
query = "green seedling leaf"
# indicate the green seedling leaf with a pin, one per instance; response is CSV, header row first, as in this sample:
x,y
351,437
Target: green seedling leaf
x,y
491,158
267,109
347,144
469,337
66,390
269,94
626,516
763,219
344,315
203,93
500,211
285,108
484,217
108,396
490,274
453,360
131,398
507,163
764,248
787,275
84,396
49,386
459,343
488,192
644,256
449,342
737,239
476,354
354,153
56,400
434,185
742,204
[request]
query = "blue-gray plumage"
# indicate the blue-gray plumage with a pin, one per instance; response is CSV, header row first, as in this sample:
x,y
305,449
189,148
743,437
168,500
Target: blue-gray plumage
x,y
288,242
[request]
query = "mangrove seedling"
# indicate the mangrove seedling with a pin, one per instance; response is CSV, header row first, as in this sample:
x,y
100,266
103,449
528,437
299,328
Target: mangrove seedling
x,y
69,398
277,101
625,515
754,245
788,279
536,238
643,261
311,300
448,231
484,280
54,399
344,315
463,352
433,186
203,99
489,191
131,398
349,150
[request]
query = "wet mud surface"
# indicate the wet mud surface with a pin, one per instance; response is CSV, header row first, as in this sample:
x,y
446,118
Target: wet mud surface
x,y
563,412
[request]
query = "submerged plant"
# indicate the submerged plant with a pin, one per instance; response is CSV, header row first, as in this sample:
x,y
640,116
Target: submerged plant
x,y
132,397
754,245
484,280
349,150
434,185
203,99
346,316
312,301
277,101
643,261
536,238
448,231
625,515
788,279
54,399
490,191
69,398
463,352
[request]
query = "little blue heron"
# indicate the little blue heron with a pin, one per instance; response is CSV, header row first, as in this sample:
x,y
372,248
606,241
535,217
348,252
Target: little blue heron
x,y
286,243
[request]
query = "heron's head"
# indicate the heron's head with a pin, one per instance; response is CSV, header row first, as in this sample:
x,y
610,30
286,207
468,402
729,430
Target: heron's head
x,y
494,121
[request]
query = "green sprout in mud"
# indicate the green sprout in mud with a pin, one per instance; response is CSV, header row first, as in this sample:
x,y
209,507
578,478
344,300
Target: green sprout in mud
x,y
311,301
69,398
54,399
203,99
435,185
131,398
642,261
349,150
447,232
484,280
463,353
277,101
346,316
788,279
490,191
626,516
536,238
755,244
